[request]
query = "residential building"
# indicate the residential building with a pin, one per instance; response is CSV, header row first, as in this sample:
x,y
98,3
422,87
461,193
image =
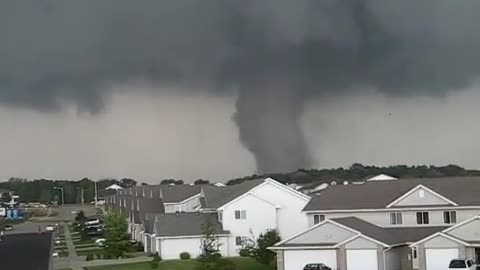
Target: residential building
x,y
389,225
239,212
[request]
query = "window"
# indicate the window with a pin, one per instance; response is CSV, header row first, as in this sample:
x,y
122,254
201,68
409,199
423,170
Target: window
x,y
220,216
240,214
421,193
151,193
138,205
318,218
414,253
460,264
449,217
423,218
396,218
239,240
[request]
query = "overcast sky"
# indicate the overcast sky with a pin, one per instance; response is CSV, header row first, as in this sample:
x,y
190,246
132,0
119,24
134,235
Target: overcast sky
x,y
226,88
151,137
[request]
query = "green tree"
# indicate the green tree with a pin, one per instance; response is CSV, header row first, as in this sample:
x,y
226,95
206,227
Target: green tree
x,y
259,249
201,182
210,245
115,230
266,240
6,197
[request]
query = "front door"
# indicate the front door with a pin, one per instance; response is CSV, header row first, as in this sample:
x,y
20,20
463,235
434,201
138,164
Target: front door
x,y
477,256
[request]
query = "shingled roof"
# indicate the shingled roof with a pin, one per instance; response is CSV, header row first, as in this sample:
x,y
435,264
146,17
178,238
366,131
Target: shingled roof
x,y
389,236
378,194
386,236
27,251
215,197
185,224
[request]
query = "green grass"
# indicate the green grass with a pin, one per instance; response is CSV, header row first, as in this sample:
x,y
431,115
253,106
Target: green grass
x,y
83,242
242,264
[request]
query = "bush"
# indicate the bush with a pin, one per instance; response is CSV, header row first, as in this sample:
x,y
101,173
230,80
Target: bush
x,y
154,264
185,256
99,256
107,256
63,253
157,257
90,257
139,247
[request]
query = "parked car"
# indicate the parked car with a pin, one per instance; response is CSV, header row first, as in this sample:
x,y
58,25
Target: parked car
x,y
50,228
316,266
8,228
100,242
462,264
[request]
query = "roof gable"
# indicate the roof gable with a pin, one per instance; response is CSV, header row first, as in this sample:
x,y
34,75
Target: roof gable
x,y
421,196
246,196
326,232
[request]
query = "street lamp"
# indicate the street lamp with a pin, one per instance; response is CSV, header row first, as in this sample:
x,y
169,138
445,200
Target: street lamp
x,y
63,198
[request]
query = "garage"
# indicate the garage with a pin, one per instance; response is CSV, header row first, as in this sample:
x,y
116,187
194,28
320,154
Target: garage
x,y
297,259
362,259
439,259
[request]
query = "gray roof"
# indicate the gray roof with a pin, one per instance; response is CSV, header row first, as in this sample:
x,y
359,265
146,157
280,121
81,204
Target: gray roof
x,y
148,206
185,224
26,251
171,194
378,194
179,193
389,236
217,196
149,222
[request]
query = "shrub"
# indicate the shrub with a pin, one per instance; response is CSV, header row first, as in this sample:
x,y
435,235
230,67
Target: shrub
x,y
185,256
90,257
63,253
154,264
157,257
139,247
99,256
107,256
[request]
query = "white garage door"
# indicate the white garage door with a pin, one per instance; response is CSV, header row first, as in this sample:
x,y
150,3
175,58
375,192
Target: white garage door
x,y
297,259
439,259
365,259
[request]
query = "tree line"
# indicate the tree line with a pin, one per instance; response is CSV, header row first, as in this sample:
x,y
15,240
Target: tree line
x,y
42,190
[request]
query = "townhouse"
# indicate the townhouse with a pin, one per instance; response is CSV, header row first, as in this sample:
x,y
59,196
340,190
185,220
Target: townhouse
x,y
237,212
388,225
135,203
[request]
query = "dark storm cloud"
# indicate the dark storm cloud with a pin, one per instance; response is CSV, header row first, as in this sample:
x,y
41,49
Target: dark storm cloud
x,y
276,53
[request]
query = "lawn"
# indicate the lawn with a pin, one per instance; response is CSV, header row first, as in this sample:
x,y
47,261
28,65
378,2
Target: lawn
x,y
242,264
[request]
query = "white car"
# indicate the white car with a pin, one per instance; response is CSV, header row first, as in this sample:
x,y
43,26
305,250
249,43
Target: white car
x,y
50,228
462,264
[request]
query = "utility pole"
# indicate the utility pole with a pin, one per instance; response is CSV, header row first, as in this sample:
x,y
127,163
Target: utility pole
x,y
82,198
61,189
96,193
